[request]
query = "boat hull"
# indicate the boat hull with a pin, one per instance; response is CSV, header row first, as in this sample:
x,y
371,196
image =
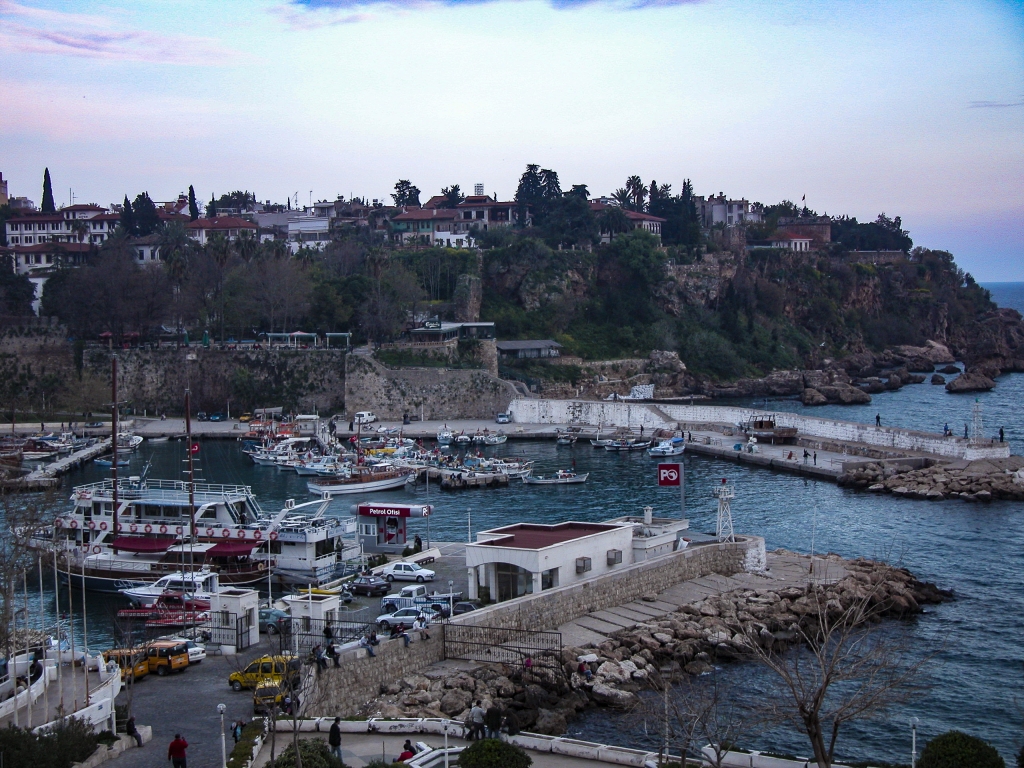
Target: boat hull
x,y
370,486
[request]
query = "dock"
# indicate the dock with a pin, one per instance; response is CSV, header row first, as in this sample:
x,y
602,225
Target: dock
x,y
455,479
46,477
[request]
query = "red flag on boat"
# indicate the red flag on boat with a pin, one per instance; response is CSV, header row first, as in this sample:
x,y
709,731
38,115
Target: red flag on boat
x,y
195,447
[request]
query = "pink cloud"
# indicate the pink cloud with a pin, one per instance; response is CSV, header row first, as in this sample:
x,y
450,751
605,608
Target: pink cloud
x,y
26,29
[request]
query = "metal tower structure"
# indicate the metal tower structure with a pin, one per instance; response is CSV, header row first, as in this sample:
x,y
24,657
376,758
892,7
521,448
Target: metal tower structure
x,y
725,493
977,426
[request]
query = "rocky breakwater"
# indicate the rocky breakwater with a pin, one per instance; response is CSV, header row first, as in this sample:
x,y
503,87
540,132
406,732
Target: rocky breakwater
x,y
687,641
979,480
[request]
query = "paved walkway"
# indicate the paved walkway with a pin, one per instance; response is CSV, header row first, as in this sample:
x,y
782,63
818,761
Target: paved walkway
x,y
784,570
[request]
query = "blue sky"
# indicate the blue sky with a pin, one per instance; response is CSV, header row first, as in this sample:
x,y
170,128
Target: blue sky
x,y
911,108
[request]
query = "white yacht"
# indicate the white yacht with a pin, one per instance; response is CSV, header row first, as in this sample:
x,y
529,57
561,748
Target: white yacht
x,y
198,585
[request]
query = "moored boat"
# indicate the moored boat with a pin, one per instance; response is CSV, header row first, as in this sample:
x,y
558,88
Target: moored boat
x,y
674,447
362,480
561,477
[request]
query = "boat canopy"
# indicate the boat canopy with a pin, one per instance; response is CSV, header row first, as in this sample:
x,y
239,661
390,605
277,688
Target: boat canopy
x,y
143,543
232,548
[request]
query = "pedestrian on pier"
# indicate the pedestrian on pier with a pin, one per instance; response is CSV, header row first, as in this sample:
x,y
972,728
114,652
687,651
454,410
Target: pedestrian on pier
x,y
965,430
1001,434
806,455
492,720
176,751
334,738
815,458
476,722
878,419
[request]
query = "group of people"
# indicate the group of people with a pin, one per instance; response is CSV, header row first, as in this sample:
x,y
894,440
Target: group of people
x,y
334,742
490,723
369,641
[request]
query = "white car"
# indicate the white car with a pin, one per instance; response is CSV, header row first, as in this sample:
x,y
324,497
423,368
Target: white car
x,y
364,417
196,651
404,616
407,572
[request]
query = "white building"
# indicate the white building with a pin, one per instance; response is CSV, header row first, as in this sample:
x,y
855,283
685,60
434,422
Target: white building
x,y
721,210
526,558
228,226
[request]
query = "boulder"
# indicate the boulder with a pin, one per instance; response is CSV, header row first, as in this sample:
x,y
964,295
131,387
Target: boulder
x,y
612,697
698,667
455,701
813,397
845,394
613,672
938,379
666,361
550,723
970,382
949,369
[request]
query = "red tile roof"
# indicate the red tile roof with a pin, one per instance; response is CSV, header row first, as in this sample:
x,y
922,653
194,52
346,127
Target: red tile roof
x,y
83,207
225,222
596,207
537,536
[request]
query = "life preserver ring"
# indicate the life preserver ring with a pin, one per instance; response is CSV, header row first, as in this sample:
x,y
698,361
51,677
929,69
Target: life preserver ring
x,y
260,567
225,533
179,530
273,535
96,550
92,525
119,527
73,524
163,529
240,534
148,528
103,526
133,528
209,531
257,535
58,523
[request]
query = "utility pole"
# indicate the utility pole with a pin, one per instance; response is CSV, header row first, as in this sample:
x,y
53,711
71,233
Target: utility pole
x,y
725,494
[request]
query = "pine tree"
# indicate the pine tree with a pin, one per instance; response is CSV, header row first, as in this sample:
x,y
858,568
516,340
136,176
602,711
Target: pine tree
x,y
193,207
127,217
48,204
211,208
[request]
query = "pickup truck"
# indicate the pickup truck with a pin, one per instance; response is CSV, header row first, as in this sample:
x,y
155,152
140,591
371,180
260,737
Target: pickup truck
x,y
416,595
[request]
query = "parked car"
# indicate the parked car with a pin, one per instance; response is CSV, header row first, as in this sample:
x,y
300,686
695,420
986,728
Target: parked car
x,y
275,668
133,662
167,656
404,616
95,425
267,696
503,418
201,416
245,418
274,621
217,416
461,608
369,585
364,417
196,651
407,572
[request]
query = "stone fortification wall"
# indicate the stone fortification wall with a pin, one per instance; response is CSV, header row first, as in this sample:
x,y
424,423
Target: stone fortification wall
x,y
344,690
155,379
437,393
668,415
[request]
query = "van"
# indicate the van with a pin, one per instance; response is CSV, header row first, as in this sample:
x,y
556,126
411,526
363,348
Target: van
x,y
364,417
273,668
166,656
132,661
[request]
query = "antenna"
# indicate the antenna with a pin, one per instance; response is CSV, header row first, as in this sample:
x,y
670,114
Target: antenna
x,y
725,494
977,426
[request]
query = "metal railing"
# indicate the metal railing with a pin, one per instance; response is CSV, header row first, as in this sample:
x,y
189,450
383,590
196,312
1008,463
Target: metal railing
x,y
497,644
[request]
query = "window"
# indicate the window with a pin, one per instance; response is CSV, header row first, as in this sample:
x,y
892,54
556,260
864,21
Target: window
x,y
549,579
513,581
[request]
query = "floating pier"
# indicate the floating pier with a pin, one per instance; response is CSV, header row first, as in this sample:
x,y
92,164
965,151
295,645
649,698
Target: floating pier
x,y
458,479
47,476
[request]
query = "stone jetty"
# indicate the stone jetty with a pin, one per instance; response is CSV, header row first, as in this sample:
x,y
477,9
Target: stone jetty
x,y
686,641
979,480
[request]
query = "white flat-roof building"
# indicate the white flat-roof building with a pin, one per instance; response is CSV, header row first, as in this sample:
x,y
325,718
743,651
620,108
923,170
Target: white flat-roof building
x,y
515,560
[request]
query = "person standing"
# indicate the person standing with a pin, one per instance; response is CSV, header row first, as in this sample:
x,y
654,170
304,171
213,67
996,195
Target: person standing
x,y
238,730
492,719
878,419
1001,434
176,751
334,738
476,720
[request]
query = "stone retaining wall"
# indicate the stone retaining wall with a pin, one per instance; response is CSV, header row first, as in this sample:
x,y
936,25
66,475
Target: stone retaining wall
x,y
612,414
342,691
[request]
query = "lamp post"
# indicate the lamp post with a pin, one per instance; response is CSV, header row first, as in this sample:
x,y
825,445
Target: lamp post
x,y
451,599
446,722
913,741
223,744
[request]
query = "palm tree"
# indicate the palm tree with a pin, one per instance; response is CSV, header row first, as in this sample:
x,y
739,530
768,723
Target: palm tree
x,y
638,191
218,248
247,245
276,250
622,197
175,247
80,228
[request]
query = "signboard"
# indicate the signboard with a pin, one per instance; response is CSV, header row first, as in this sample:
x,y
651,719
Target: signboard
x,y
393,510
668,474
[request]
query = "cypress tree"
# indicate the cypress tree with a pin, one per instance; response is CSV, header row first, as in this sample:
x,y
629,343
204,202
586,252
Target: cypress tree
x,y
127,217
48,204
193,207
211,208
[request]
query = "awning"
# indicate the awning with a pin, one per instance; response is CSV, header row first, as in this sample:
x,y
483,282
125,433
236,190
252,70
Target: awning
x,y
143,543
231,548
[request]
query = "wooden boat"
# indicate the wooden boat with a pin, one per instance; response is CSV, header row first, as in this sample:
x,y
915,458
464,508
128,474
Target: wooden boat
x,y
495,439
561,477
566,438
765,429
169,602
363,480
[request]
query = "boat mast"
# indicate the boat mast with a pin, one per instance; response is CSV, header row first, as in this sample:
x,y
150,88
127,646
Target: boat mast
x,y
113,441
191,466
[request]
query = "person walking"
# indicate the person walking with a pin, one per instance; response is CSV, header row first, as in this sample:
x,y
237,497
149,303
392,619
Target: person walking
x,y
334,738
238,730
176,751
492,720
476,720
132,731
815,458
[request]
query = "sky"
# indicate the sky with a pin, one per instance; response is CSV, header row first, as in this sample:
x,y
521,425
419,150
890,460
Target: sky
x,y
915,109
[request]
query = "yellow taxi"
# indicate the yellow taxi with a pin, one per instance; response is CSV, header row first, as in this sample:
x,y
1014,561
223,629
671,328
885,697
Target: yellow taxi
x,y
166,656
132,661
266,668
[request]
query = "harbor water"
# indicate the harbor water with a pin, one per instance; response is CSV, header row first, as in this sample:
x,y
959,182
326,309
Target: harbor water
x,y
975,549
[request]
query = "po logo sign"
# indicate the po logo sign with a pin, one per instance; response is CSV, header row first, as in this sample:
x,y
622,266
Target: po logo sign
x,y
668,474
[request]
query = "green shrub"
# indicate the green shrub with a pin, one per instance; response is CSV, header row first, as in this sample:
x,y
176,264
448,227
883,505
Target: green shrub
x,y
493,753
315,754
68,743
242,752
958,750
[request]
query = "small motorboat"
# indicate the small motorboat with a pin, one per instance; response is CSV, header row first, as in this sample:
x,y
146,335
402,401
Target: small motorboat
x,y
495,439
445,436
108,459
674,447
561,477
566,438
463,439
628,445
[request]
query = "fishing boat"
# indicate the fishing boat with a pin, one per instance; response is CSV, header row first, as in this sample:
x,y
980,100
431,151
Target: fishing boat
x,y
496,438
108,459
38,450
127,441
566,438
193,586
480,438
179,619
561,477
628,444
463,439
363,480
674,447
445,437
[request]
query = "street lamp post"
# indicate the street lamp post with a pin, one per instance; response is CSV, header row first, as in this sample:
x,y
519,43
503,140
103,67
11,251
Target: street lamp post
x,y
446,722
913,741
451,599
223,743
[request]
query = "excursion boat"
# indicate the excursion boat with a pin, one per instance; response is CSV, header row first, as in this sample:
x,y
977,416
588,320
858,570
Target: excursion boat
x,y
363,480
169,600
561,477
309,548
674,447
